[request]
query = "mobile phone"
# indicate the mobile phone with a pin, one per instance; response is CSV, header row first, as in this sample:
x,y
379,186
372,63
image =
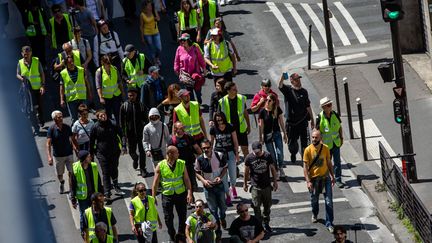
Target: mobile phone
x,y
285,75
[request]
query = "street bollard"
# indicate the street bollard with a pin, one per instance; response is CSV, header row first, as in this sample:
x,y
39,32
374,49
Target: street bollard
x,y
362,132
348,107
336,90
310,48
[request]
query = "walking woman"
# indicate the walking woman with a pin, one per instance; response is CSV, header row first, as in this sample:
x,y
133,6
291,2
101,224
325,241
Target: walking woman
x,y
150,36
188,21
224,139
82,127
270,122
167,106
215,97
143,215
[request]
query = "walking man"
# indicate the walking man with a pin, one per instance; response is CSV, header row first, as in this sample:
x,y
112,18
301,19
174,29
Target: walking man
x,y
134,67
258,166
200,225
318,172
245,228
155,137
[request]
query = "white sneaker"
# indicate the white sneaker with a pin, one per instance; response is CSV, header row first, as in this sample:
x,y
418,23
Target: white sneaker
x,y
229,2
222,2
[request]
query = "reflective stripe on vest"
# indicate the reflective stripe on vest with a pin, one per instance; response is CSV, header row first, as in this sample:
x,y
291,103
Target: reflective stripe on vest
x,y
33,74
132,72
82,192
74,91
31,30
76,57
220,57
109,239
241,101
53,33
172,181
92,224
211,12
191,122
109,83
330,131
139,211
192,20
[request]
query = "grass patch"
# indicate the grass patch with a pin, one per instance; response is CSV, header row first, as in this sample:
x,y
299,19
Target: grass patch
x,y
398,209
380,187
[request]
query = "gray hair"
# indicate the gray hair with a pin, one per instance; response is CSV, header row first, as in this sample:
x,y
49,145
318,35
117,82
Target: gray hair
x,y
55,113
101,225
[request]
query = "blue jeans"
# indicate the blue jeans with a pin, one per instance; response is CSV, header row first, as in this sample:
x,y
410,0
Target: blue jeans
x,y
215,197
154,45
275,149
328,197
83,205
335,153
232,168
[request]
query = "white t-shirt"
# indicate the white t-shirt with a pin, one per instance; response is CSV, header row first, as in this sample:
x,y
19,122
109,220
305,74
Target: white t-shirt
x,y
83,46
79,129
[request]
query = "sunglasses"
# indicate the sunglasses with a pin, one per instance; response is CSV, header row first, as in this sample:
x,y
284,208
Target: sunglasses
x,y
142,190
328,105
266,86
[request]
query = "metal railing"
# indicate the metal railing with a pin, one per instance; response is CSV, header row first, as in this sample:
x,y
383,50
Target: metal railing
x,y
405,196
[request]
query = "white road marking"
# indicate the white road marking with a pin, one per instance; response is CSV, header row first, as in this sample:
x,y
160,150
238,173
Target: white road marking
x,y
75,214
341,59
339,31
303,28
317,22
298,186
351,22
288,31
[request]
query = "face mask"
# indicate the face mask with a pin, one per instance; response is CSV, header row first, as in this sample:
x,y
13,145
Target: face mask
x,y
154,122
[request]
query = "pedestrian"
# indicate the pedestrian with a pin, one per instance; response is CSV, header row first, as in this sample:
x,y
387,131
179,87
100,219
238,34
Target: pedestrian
x,y
189,63
109,87
153,92
134,67
188,21
105,142
211,168
208,12
318,173
155,137
298,113
200,225
176,191
143,215
214,99
270,122
149,19
82,128
61,139
30,72
101,230
97,9
85,20
107,42
258,166
35,23
234,106
61,28
330,125
224,139
129,8
190,115
168,104
133,118
259,99
339,234
220,57
60,61
74,88
109,5
187,148
219,23
82,45
99,213
85,182
246,227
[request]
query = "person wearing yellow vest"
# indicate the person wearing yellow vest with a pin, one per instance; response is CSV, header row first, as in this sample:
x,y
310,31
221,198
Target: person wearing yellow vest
x,y
109,88
208,11
219,56
61,27
98,213
233,105
31,75
134,67
102,236
188,21
74,88
200,225
142,211
172,174
189,114
35,24
60,63
85,182
328,122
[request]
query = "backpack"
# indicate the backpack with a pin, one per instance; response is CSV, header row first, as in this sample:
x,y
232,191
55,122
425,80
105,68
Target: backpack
x,y
202,233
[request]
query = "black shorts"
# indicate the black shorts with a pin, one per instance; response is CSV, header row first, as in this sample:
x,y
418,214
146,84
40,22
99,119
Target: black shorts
x,y
242,139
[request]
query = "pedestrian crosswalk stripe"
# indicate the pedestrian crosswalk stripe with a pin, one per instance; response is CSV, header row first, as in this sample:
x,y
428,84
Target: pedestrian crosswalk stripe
x,y
351,22
288,31
339,31
339,59
301,24
316,21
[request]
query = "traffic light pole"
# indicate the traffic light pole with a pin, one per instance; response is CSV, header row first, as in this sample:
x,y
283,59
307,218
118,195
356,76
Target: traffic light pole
x,y
405,125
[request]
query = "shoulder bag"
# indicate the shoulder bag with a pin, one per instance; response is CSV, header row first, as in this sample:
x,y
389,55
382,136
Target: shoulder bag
x,y
157,152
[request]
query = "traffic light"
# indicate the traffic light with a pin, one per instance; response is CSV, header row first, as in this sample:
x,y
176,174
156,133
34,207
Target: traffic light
x,y
399,111
391,10
386,71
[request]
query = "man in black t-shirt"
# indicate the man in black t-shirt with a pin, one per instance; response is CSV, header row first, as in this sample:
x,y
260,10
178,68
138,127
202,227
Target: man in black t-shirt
x,y
246,227
258,166
298,113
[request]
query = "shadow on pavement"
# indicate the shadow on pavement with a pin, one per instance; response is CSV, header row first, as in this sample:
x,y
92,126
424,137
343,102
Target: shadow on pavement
x,y
235,12
281,230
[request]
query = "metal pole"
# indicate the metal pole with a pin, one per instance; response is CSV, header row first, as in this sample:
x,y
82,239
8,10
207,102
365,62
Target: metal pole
x,y
362,132
310,48
330,50
400,83
348,107
336,90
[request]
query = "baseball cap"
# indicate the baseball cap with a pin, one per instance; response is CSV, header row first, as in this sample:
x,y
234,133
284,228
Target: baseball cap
x,y
133,89
153,69
295,76
82,155
182,92
101,22
129,48
266,82
184,36
256,146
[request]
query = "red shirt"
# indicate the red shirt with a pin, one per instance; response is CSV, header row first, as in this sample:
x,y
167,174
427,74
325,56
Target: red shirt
x,y
263,94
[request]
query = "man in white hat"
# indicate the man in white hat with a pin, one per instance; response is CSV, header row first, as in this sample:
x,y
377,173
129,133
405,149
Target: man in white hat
x,y
328,122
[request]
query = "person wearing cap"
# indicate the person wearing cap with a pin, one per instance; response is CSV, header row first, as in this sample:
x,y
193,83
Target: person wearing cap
x,y
209,11
220,57
192,26
133,118
219,23
61,27
330,125
74,88
155,137
85,182
134,67
298,113
259,98
32,77
107,42
150,36
258,166
319,176
154,90
190,115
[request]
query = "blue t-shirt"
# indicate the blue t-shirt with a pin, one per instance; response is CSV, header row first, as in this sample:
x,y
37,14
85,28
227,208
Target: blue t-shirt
x,y
60,140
